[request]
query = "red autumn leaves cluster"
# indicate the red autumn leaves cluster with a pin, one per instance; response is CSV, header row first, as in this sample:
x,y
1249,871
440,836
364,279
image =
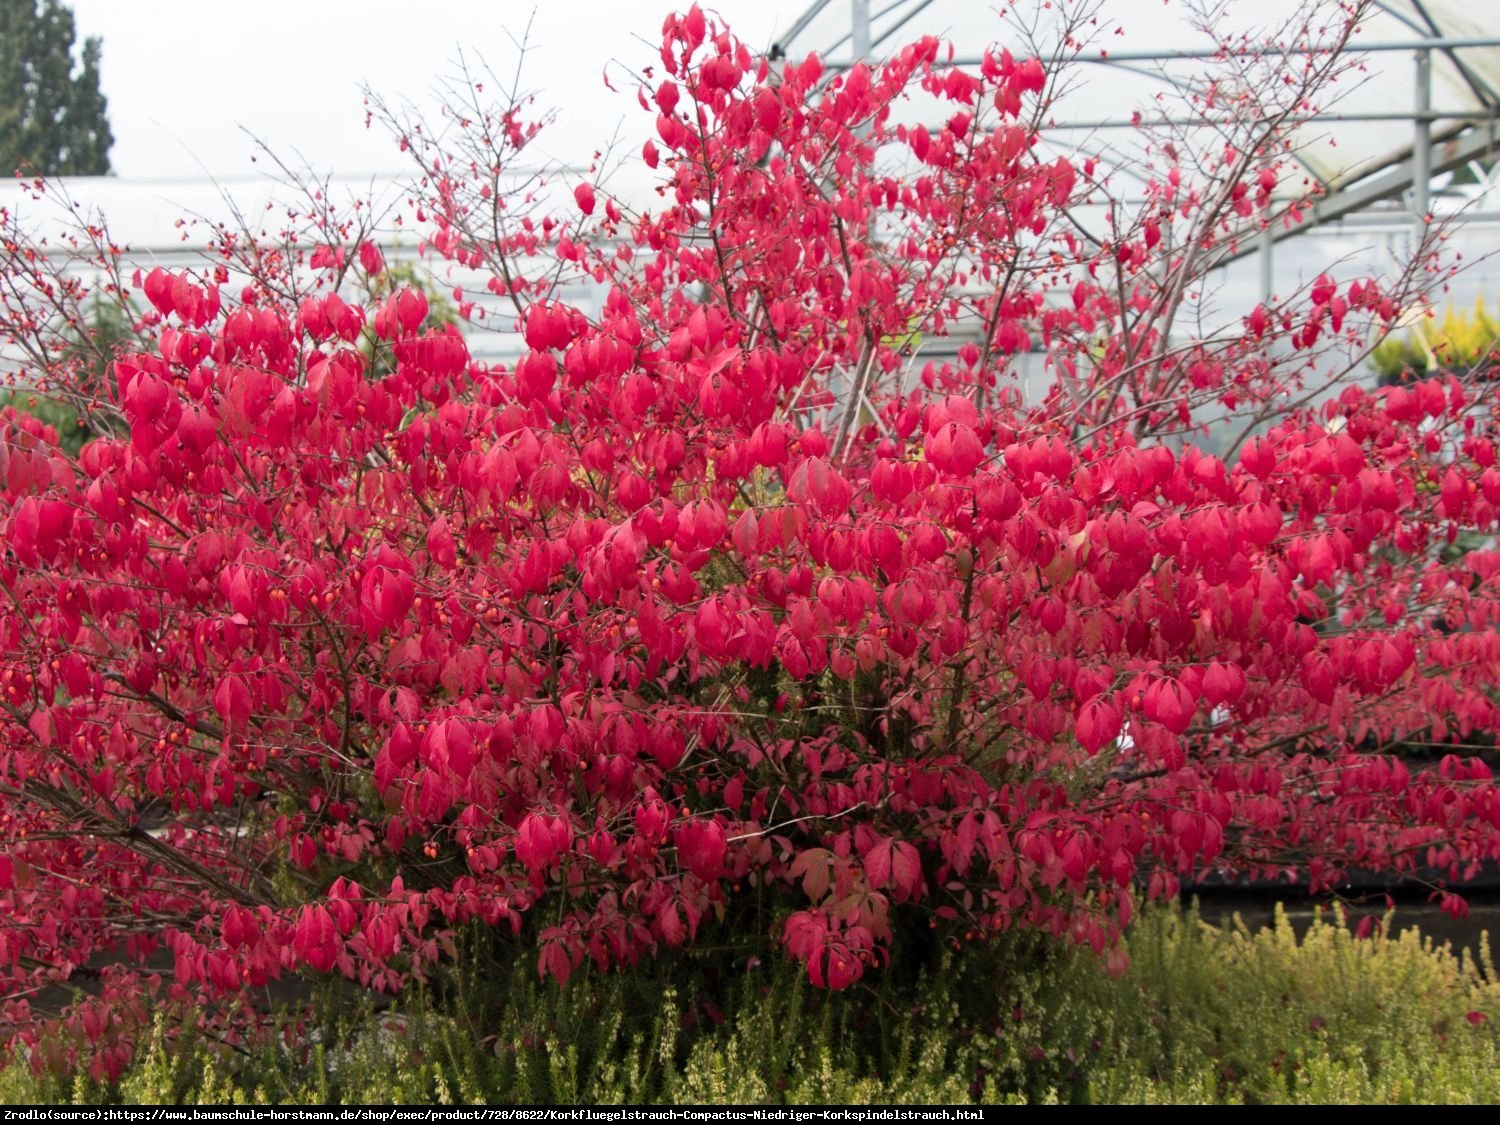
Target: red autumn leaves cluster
x,y
315,658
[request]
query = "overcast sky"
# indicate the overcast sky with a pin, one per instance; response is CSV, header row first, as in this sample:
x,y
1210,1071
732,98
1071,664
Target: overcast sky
x,y
185,77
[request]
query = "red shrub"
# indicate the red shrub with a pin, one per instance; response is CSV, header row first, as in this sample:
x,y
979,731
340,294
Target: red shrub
x,y
339,639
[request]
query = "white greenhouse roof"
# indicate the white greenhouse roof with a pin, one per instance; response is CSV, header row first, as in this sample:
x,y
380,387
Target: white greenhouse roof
x,y
1139,56
1362,150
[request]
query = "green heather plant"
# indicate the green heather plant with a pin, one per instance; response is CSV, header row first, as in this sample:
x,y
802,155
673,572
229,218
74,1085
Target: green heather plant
x,y
1204,1014
1266,1016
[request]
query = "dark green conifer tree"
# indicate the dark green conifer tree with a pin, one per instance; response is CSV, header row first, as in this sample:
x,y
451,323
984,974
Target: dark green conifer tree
x,y
52,113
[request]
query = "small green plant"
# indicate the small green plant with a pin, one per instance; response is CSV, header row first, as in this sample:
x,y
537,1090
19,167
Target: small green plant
x,y
103,333
380,286
1203,1014
1234,1015
1463,343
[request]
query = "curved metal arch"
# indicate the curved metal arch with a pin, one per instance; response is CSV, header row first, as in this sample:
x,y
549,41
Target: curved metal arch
x,y
1130,64
1429,26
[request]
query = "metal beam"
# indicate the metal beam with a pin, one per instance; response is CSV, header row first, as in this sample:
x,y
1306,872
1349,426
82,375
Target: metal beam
x,y
1209,122
1269,51
1453,153
778,48
1391,184
916,10
1481,89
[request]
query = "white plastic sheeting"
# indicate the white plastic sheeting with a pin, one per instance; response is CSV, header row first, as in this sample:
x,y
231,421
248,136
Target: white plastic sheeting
x,y
1364,125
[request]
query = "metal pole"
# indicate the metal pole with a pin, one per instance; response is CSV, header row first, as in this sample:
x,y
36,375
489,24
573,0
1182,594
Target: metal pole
x,y
1267,263
861,373
1421,145
860,28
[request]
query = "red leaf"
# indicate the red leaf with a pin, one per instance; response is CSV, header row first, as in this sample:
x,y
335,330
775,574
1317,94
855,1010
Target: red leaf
x,y
673,929
1099,722
316,939
370,258
701,846
232,702
1167,702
